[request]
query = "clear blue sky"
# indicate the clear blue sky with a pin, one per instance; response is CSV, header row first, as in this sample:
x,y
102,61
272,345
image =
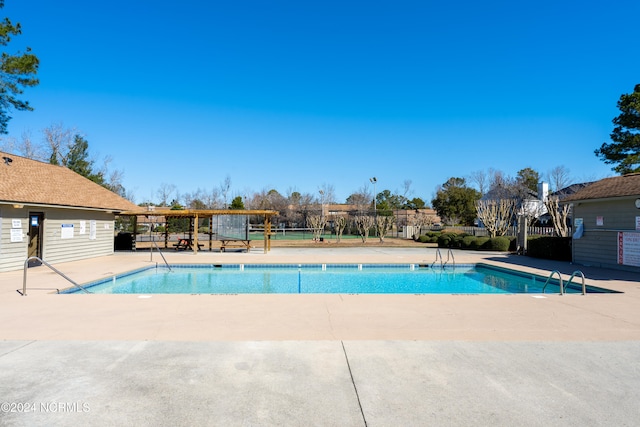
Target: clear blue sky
x,y
297,94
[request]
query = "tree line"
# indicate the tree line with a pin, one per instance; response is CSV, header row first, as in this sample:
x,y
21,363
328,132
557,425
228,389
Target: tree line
x,y
456,199
497,198
69,148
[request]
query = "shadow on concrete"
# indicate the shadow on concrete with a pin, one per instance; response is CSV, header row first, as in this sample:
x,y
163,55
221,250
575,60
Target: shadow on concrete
x,y
566,267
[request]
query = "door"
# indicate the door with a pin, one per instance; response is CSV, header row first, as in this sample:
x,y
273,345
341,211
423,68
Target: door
x,y
36,226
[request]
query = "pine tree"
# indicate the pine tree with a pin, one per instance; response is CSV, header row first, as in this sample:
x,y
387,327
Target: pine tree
x,y
16,73
625,148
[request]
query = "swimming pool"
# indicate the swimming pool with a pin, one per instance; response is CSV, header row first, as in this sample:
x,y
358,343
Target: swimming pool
x,y
327,278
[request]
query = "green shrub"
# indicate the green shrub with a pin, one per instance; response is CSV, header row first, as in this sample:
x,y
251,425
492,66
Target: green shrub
x,y
432,236
456,240
467,241
499,244
444,241
478,243
428,238
450,240
556,248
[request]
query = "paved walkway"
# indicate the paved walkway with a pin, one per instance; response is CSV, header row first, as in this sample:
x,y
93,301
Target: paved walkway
x,y
318,359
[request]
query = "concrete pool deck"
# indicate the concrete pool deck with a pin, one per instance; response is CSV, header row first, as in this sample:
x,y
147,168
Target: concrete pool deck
x,y
319,359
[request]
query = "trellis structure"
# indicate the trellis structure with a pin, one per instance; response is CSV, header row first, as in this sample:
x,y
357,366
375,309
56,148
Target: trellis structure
x,y
194,215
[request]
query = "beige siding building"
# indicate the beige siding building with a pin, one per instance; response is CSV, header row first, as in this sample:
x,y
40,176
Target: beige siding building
x,y
606,223
53,213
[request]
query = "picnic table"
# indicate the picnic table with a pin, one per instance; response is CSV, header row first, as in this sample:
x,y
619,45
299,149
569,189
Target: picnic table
x,y
184,244
228,242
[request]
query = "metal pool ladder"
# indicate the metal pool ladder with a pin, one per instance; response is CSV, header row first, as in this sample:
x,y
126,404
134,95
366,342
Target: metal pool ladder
x,y
575,273
55,270
563,287
443,263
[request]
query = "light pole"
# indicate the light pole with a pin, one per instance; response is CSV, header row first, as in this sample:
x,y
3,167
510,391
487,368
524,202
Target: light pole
x,y
321,203
374,180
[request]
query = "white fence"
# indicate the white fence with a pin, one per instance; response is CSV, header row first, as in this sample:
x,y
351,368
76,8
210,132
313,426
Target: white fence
x,y
409,231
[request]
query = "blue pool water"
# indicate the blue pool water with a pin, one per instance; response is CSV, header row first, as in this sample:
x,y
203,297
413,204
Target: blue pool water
x,y
313,279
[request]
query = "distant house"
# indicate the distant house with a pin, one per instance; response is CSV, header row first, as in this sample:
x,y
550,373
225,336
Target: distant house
x,y
606,223
561,194
53,213
570,190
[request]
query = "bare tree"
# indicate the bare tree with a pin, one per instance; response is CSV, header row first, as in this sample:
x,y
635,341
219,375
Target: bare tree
x,y
361,199
225,186
496,215
25,147
316,223
406,188
383,225
339,223
9,145
164,193
212,199
502,186
298,208
305,207
268,199
364,224
420,220
196,199
559,178
277,201
113,179
328,193
559,214
258,199
114,183
481,179
59,140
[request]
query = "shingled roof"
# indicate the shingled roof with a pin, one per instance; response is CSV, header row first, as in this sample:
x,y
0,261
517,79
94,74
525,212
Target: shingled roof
x,y
617,186
570,190
27,181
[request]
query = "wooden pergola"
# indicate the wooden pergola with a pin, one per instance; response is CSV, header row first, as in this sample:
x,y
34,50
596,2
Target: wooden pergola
x,y
196,214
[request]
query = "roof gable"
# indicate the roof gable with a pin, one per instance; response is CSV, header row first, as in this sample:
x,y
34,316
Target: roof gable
x,y
617,186
29,181
570,190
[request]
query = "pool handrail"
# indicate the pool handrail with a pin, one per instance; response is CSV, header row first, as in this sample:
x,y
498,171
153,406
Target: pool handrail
x,y
438,255
549,278
55,270
450,253
442,261
584,286
160,252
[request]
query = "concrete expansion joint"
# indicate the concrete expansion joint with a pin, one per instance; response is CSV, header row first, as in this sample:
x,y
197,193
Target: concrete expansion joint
x,y
18,348
355,388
